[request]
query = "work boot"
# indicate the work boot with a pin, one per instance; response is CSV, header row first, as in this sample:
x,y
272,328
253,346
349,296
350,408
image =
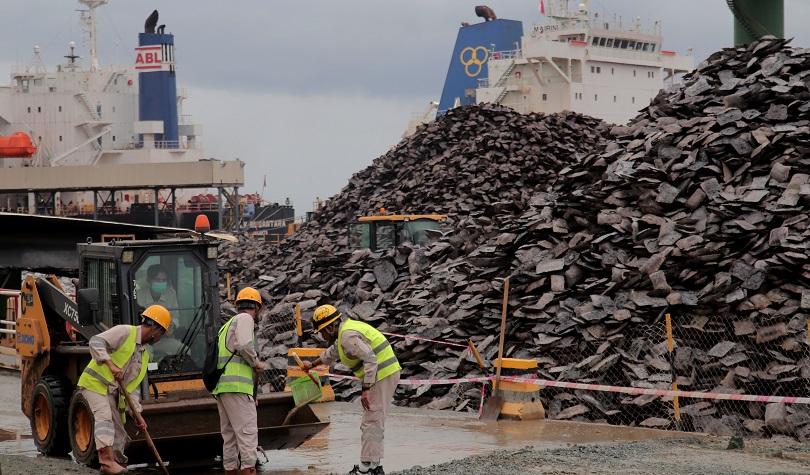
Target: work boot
x,y
231,472
107,461
378,470
248,471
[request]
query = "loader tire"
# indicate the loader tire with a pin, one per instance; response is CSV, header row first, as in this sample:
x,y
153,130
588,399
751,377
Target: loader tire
x,y
49,415
81,424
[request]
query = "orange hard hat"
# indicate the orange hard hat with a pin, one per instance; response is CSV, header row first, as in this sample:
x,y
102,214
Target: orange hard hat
x,y
250,294
159,314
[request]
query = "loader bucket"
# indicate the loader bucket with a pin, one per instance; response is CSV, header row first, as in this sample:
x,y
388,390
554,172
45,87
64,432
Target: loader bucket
x,y
187,430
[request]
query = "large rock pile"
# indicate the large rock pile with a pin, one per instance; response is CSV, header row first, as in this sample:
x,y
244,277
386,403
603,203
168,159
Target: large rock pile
x,y
478,165
706,197
697,208
475,163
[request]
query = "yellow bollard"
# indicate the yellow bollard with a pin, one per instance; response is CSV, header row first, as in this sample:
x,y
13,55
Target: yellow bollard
x,y
521,401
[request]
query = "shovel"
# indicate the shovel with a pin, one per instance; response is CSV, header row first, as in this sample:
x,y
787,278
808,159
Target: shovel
x,y
314,397
139,418
301,365
476,355
492,408
294,410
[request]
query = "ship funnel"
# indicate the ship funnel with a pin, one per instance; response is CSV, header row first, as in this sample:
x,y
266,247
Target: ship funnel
x,y
157,84
475,45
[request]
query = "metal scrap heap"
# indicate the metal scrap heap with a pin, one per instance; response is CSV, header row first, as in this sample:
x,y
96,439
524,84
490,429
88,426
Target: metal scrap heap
x,y
698,208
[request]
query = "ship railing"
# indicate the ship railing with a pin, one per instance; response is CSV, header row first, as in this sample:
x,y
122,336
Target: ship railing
x,y
506,54
166,144
201,207
623,53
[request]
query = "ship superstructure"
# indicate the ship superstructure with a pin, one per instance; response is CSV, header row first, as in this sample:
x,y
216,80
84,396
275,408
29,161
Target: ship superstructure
x,y
90,140
83,113
577,61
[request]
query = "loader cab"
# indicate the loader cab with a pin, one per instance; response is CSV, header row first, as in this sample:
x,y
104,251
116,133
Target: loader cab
x,y
384,231
118,280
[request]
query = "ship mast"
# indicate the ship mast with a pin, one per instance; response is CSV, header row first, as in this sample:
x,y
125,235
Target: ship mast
x,y
560,12
88,17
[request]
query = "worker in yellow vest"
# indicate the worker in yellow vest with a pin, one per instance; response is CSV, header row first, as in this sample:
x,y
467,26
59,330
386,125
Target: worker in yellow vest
x,y
234,391
119,356
364,350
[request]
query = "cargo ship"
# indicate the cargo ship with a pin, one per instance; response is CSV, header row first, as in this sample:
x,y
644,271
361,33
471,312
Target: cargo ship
x,y
575,60
83,113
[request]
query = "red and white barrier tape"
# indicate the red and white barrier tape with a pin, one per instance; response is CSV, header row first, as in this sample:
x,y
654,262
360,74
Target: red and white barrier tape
x,y
601,388
659,392
419,338
422,382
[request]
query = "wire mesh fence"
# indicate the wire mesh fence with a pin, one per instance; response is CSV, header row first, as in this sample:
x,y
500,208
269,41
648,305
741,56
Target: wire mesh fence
x,y
703,358
717,357
278,332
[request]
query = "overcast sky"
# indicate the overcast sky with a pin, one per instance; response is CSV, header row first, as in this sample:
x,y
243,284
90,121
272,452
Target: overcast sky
x,y
307,92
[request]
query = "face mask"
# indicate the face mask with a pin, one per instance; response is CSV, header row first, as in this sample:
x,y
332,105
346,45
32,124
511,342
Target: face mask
x,y
159,287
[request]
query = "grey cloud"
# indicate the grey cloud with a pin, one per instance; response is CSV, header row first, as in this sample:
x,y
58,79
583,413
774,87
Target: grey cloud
x,y
392,48
307,146
309,92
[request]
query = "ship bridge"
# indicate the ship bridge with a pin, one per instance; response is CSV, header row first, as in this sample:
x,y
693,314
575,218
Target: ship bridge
x,y
582,63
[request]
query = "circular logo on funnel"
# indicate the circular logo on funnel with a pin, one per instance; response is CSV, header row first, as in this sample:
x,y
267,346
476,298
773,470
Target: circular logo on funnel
x,y
473,59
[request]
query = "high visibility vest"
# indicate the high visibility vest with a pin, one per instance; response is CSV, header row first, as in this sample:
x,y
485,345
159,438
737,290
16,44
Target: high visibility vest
x,y
99,379
238,375
387,363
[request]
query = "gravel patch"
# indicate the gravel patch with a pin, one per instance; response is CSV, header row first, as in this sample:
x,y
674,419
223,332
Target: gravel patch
x,y
687,456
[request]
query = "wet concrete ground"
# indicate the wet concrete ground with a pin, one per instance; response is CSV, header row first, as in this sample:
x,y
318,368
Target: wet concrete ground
x,y
447,443
413,436
425,442
424,437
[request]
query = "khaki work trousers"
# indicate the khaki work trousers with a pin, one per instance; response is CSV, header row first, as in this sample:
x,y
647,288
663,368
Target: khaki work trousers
x,y
240,435
372,426
108,429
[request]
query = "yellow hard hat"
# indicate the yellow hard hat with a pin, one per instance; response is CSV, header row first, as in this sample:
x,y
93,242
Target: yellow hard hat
x,y
250,294
323,316
159,314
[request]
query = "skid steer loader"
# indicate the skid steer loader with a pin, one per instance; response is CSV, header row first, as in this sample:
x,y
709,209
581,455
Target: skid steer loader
x,y
52,342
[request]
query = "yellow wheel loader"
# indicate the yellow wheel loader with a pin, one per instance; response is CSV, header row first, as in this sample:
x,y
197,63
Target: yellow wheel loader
x,y
382,231
52,342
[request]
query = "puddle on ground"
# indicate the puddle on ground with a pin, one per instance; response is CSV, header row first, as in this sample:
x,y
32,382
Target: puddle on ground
x,y
423,437
12,435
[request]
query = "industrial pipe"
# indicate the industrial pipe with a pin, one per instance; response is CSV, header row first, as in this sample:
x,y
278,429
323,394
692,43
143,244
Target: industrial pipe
x,y
754,19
